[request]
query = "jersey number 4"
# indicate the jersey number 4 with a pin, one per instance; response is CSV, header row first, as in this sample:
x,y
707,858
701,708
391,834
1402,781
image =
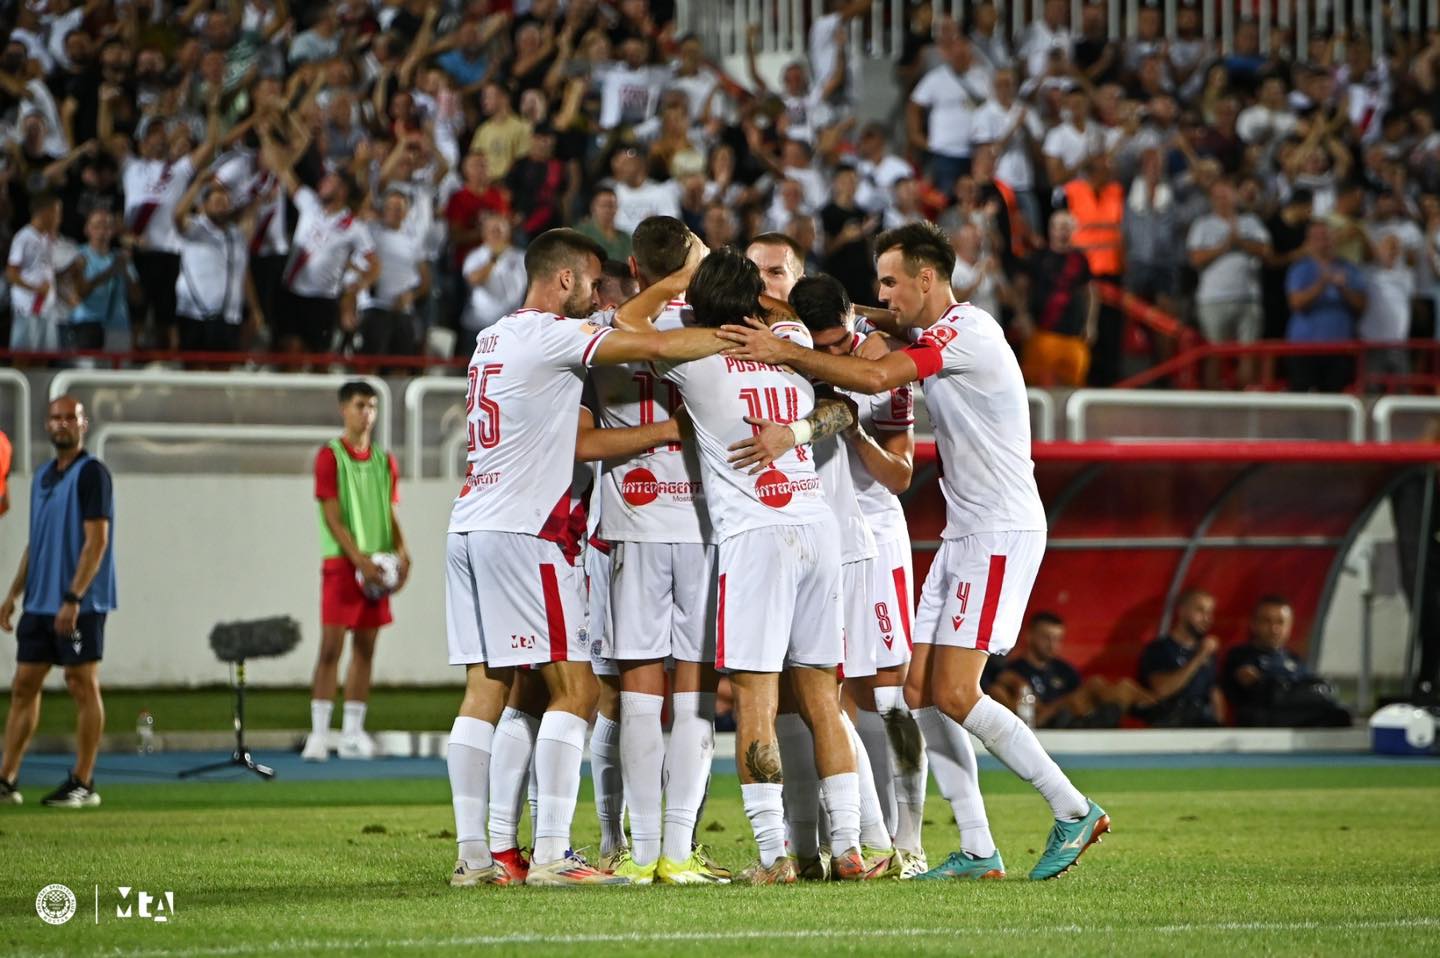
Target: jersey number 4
x,y
484,431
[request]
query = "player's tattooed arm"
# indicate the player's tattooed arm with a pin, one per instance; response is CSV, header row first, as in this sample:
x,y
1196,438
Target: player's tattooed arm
x,y
762,762
772,439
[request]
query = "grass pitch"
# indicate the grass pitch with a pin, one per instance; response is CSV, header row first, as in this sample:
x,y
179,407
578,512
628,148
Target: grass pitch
x,y
1341,861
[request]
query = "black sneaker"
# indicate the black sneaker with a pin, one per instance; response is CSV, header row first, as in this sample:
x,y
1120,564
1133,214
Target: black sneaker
x,y
9,794
73,794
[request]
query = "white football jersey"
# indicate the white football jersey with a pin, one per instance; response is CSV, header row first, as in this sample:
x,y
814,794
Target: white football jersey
x,y
976,399
524,384
152,189
325,245
832,462
719,393
658,496
892,411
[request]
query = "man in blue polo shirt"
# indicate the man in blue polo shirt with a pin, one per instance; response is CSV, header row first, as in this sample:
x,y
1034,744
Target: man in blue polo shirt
x,y
67,576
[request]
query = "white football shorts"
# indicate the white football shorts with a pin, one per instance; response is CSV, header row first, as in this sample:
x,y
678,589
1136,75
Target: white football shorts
x,y
662,602
597,608
892,594
856,579
778,593
511,599
977,590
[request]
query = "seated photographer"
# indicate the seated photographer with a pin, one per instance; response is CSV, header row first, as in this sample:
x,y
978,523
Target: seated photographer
x,y
1062,699
1268,686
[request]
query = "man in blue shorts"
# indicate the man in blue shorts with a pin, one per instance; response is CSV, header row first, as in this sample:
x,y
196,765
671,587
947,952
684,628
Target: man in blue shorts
x,y
67,578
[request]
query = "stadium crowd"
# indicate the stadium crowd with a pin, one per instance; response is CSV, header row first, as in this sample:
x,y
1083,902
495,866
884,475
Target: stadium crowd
x,y
362,177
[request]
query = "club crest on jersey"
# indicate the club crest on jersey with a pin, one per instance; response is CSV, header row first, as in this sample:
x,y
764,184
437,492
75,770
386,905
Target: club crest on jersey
x,y
639,487
939,335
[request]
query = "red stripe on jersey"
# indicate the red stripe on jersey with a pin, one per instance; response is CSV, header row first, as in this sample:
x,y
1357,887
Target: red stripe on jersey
x,y
586,356
720,625
554,614
902,596
927,359
142,216
566,527
993,582
600,545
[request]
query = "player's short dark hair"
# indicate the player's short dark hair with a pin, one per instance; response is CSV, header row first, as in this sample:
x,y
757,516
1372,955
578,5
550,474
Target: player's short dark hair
x,y
659,245
614,269
780,239
921,244
557,249
1273,598
356,387
725,289
43,200
820,302
1046,618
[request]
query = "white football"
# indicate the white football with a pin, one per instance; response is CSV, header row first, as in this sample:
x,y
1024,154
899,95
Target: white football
x,y
389,565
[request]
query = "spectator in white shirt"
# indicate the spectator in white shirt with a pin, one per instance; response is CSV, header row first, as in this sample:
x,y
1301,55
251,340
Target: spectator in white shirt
x,y
637,195
1387,311
878,169
1048,33
388,322
495,271
31,269
694,77
987,38
789,202
978,277
1070,144
941,110
829,49
1227,248
328,239
630,89
1014,129
153,182
904,206
214,294
807,112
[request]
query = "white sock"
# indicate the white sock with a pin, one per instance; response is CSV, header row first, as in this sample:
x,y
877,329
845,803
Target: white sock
x,y
559,747
841,796
802,784
952,759
509,771
877,746
873,833
352,719
687,768
467,758
532,793
609,789
909,764
642,759
1011,741
320,712
766,811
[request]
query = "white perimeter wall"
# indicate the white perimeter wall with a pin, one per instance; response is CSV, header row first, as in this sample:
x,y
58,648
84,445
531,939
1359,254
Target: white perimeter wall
x,y
196,550
193,551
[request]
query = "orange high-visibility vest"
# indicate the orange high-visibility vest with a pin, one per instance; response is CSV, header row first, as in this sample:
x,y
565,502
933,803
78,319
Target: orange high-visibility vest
x,y
1019,228
1098,219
